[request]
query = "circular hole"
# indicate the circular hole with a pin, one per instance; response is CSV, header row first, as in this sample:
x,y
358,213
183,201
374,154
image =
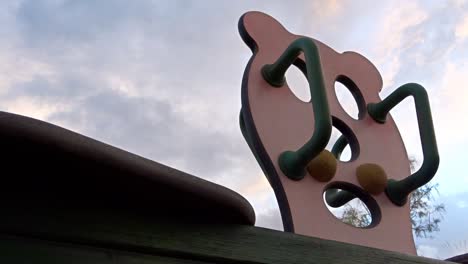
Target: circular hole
x,y
350,98
297,82
351,205
343,143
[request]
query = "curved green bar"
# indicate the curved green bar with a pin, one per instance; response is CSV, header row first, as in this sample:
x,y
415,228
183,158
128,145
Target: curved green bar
x,y
293,163
336,198
398,191
339,146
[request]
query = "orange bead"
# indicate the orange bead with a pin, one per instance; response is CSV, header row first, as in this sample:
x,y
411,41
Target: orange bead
x,y
372,178
323,167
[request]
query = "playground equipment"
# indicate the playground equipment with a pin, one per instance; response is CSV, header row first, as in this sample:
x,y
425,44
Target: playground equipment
x,y
288,137
67,198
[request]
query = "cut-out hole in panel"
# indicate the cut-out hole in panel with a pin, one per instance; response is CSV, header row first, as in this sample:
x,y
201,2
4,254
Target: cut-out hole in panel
x,y
350,97
297,82
346,154
342,135
351,205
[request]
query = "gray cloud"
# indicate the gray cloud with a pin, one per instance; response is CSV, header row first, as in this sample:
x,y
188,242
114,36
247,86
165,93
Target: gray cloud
x,y
162,78
428,44
147,126
182,63
270,219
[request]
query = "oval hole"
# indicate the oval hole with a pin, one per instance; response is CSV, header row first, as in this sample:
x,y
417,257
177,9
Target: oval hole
x,y
350,97
346,154
298,83
351,150
360,210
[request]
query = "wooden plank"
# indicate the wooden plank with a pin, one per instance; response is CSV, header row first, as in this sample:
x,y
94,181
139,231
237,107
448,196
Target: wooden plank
x,y
14,250
200,242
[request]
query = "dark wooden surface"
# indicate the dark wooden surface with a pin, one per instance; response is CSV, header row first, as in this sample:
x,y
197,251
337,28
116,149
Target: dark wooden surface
x,y
19,250
46,164
66,198
50,235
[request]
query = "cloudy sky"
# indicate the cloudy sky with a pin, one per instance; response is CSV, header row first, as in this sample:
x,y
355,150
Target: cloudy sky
x,y
162,79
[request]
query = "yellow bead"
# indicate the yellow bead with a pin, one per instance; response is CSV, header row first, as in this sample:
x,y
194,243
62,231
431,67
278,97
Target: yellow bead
x,y
323,167
372,178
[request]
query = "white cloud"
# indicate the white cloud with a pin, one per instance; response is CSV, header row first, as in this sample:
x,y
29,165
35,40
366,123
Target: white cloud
x,y
427,251
259,187
450,107
324,11
270,219
122,85
392,40
16,68
461,30
33,107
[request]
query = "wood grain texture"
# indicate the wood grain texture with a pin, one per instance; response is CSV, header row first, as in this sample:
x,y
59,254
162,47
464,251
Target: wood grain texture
x,y
171,238
15,250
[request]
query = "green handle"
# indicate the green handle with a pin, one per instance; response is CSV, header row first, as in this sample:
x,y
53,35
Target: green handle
x,y
293,163
339,146
398,191
336,198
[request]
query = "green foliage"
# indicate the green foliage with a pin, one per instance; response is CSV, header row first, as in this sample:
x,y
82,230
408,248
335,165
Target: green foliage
x,y
357,215
426,214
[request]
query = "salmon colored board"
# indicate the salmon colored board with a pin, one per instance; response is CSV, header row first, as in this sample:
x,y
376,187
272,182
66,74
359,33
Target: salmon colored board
x,y
273,120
